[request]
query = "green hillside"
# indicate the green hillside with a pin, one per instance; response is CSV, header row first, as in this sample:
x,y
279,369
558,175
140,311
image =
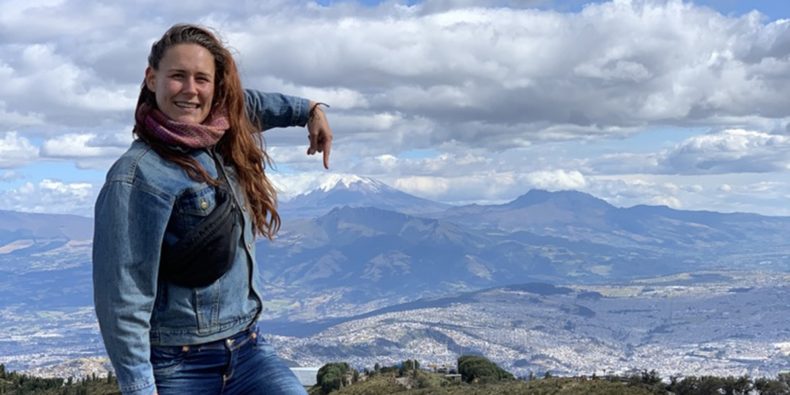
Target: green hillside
x,y
475,375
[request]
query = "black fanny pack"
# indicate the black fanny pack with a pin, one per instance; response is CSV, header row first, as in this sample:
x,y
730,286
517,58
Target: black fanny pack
x,y
207,251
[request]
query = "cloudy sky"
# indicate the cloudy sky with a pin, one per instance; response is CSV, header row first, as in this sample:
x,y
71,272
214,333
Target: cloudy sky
x,y
676,103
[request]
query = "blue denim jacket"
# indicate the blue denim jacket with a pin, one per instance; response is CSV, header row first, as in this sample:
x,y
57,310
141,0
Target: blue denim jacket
x,y
147,200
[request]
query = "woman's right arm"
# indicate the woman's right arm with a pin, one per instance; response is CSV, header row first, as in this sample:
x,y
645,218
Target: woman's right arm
x,y
130,222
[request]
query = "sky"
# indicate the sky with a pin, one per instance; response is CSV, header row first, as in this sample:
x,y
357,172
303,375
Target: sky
x,y
675,103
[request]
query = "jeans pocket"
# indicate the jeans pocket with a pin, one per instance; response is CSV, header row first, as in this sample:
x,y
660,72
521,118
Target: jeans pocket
x,y
166,360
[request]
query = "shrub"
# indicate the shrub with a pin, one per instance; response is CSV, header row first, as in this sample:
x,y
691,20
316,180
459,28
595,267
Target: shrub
x,y
475,368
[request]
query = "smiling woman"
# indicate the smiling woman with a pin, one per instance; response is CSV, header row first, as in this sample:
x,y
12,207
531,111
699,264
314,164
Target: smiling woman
x,y
176,288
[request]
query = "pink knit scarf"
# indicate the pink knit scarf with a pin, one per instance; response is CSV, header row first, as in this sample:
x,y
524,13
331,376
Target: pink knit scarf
x,y
183,134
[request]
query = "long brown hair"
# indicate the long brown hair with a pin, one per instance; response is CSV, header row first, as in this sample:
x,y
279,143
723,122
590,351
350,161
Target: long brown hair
x,y
241,145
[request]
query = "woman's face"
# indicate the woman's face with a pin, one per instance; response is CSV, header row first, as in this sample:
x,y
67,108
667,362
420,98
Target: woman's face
x,y
184,83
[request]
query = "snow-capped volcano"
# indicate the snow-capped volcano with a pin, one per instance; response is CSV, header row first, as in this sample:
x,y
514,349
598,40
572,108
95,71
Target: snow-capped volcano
x,y
351,181
339,190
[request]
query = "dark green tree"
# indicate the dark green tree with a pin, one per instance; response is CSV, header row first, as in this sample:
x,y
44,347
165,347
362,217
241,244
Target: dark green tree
x,y
736,385
784,378
475,368
766,386
650,378
331,376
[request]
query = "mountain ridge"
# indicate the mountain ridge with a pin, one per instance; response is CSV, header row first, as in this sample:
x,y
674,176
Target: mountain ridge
x,y
355,191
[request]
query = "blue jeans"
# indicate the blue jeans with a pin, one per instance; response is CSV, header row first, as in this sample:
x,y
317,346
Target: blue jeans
x,y
245,363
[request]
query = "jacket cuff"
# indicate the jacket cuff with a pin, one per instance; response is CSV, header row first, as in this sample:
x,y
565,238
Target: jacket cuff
x,y
301,112
140,387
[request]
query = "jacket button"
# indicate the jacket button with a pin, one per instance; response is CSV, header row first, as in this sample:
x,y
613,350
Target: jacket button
x,y
203,204
249,246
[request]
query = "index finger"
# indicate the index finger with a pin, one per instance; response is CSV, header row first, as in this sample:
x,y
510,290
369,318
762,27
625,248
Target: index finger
x,y
327,148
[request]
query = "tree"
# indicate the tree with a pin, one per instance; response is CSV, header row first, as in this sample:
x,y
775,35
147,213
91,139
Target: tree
x,y
710,385
474,368
331,376
736,385
355,376
408,365
784,378
650,378
765,386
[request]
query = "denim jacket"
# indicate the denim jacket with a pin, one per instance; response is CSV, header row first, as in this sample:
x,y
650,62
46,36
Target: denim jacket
x,y
145,201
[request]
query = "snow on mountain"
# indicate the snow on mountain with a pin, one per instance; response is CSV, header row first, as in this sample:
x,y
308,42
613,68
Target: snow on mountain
x,y
350,181
339,190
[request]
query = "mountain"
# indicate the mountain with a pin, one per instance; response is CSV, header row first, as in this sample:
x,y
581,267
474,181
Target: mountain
x,y
373,250
16,226
366,257
31,242
44,261
578,216
354,191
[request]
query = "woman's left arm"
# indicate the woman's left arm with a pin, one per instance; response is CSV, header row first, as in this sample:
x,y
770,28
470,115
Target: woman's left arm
x,y
272,110
268,110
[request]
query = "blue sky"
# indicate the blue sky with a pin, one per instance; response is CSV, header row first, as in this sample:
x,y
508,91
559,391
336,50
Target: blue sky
x,y
637,102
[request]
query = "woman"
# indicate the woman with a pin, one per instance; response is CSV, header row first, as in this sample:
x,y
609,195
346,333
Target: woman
x,y
176,287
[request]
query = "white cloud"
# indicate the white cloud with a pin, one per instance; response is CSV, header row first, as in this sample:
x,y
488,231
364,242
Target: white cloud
x,y
620,64
9,175
48,82
729,151
487,186
78,146
13,119
557,179
722,152
430,187
633,190
16,151
50,196
446,164
613,66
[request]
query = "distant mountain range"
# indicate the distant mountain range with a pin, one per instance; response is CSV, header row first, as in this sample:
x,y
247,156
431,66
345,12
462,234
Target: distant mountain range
x,y
22,226
370,255
355,251
370,245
